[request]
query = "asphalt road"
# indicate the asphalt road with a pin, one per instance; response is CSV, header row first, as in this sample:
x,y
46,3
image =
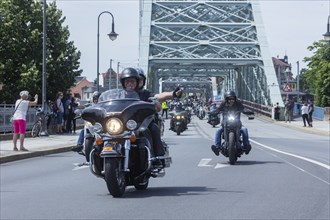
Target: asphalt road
x,y
286,176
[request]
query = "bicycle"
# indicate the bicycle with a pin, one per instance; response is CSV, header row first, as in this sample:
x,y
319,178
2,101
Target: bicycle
x,y
36,128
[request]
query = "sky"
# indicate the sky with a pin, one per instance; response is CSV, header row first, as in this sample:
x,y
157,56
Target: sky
x,y
291,26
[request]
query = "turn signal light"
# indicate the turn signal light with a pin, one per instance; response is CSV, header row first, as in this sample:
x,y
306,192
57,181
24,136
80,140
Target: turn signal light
x,y
132,138
108,148
99,141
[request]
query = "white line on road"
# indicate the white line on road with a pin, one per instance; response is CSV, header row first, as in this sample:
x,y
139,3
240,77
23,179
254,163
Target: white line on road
x,y
293,155
221,166
204,163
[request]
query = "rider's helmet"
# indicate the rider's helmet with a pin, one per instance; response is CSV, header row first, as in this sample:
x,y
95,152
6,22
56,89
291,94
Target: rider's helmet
x,y
129,72
96,96
142,75
230,94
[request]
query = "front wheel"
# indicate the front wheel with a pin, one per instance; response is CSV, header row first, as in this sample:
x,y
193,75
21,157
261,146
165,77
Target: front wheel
x,y
232,148
36,129
114,176
89,142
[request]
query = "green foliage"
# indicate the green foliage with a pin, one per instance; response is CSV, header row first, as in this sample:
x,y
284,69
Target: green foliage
x,y
317,76
21,50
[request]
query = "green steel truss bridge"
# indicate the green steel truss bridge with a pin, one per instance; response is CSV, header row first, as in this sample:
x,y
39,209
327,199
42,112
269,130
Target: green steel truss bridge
x,y
208,38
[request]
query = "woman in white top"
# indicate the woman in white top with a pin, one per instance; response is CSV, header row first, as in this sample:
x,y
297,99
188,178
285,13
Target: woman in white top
x,y
19,119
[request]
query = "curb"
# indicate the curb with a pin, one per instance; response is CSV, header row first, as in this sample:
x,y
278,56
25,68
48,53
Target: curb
x,y
31,154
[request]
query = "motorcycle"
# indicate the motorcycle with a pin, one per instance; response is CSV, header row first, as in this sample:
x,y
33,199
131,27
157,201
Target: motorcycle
x,y
178,121
122,151
232,146
201,112
214,119
89,135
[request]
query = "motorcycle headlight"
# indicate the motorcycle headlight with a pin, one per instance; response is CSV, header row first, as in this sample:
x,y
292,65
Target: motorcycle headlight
x,y
178,117
131,125
98,128
88,124
231,118
114,126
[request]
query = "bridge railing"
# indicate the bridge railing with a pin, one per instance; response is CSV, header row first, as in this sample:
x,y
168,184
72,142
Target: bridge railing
x,y
258,108
7,110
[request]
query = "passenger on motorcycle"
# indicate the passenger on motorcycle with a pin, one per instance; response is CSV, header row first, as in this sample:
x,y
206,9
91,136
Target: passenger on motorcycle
x,y
80,141
231,103
161,97
129,79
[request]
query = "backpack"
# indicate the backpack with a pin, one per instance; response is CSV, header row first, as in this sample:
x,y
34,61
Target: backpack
x,y
54,107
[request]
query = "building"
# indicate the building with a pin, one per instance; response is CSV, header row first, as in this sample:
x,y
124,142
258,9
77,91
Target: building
x,y
82,88
286,81
113,80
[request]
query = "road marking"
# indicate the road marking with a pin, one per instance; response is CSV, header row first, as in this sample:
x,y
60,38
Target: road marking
x,y
221,166
292,155
79,166
204,163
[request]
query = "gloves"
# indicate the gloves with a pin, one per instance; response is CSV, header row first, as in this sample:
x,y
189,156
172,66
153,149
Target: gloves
x,y
177,90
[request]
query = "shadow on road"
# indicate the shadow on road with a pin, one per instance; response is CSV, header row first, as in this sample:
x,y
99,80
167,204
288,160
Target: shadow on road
x,y
172,191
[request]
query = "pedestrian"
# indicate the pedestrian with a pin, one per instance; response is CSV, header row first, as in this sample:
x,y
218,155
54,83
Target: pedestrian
x,y
165,108
73,107
59,112
304,114
68,114
19,118
310,114
277,110
288,111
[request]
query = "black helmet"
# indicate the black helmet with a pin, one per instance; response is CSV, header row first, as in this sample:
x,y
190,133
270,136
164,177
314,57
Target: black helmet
x,y
129,72
96,94
142,74
230,94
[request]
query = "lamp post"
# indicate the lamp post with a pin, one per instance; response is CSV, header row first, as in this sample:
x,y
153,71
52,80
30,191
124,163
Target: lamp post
x,y
327,34
44,101
113,35
117,74
298,83
110,74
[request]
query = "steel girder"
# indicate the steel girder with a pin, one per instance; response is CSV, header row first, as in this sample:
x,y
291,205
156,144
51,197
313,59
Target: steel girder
x,y
208,38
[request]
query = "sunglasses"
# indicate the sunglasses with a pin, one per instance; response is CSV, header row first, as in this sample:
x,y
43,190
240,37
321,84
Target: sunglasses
x,y
231,99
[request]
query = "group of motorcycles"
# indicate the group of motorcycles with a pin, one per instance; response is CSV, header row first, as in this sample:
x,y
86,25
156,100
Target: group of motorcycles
x,y
118,145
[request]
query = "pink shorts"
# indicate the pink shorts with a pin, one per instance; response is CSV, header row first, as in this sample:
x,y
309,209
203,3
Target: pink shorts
x,y
19,126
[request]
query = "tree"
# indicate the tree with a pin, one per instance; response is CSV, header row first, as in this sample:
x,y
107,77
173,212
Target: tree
x,y
21,33
317,75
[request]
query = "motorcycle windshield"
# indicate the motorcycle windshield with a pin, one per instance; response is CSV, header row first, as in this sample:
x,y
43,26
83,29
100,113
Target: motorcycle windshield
x,y
122,104
119,94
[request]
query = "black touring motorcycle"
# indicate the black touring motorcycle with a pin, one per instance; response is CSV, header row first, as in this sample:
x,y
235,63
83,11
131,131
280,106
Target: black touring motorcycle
x,y
232,144
122,151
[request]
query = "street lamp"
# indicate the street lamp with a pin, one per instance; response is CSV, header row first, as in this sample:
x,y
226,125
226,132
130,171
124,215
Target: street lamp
x,y
113,35
43,100
327,34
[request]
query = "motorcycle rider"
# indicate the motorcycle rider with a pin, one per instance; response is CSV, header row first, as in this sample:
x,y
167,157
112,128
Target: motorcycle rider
x,y
129,79
213,107
80,141
231,103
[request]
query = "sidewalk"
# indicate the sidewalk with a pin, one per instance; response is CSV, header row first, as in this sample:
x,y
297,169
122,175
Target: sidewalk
x,y
38,146
319,127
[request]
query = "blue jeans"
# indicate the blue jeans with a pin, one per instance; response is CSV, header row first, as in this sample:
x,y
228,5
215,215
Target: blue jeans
x,y
244,132
81,137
